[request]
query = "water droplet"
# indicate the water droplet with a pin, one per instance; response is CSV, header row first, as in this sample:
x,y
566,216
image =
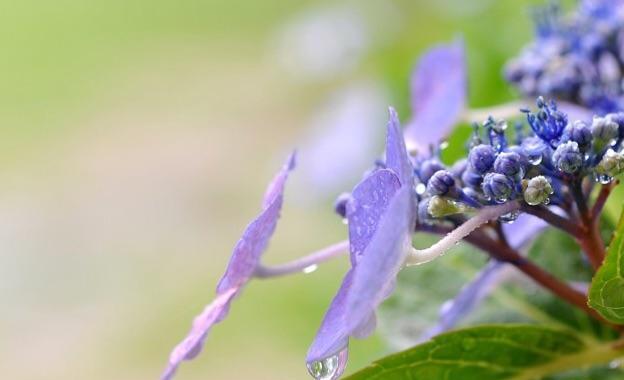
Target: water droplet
x,y
421,188
509,217
310,268
345,221
535,159
603,178
546,201
329,368
468,344
444,145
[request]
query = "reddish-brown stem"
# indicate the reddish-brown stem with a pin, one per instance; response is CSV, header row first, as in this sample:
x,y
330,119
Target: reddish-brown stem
x,y
590,241
553,219
603,195
503,252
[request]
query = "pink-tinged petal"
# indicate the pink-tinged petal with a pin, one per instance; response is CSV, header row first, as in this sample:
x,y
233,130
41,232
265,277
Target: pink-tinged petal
x,y
368,202
248,250
332,337
438,92
397,158
381,260
191,346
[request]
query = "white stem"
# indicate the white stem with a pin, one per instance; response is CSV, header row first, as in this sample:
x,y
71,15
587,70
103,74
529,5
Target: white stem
x,y
421,256
306,262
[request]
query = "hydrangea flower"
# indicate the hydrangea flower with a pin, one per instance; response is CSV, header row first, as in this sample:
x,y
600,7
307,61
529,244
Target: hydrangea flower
x,y
381,220
243,263
577,58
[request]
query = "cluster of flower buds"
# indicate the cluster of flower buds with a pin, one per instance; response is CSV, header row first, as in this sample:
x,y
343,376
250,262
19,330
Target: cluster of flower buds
x,y
577,58
552,154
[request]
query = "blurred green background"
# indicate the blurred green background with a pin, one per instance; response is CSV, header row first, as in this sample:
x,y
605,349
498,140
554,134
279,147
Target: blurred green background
x,y
137,139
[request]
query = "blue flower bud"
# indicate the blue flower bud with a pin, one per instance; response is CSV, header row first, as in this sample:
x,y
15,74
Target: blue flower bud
x,y
568,157
617,118
605,132
441,183
459,167
498,187
481,158
524,160
538,190
509,164
427,168
580,133
471,178
340,204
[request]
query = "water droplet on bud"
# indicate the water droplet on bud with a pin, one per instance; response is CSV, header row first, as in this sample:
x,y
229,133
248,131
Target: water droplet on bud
x,y
535,159
421,188
509,217
329,368
603,178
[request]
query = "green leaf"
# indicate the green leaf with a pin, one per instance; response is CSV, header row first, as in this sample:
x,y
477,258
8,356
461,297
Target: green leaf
x,y
606,294
492,352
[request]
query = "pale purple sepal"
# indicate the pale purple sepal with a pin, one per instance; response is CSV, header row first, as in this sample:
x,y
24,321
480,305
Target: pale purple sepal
x,y
191,346
381,261
466,300
438,92
368,202
248,250
397,158
333,335
243,262
523,230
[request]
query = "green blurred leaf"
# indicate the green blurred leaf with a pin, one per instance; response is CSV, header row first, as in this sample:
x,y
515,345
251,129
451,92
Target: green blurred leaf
x,y
606,293
492,352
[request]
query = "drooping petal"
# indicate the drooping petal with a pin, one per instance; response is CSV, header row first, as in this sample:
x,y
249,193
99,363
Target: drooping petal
x,y
369,200
438,92
519,233
467,299
381,260
191,346
397,158
333,336
248,250
244,261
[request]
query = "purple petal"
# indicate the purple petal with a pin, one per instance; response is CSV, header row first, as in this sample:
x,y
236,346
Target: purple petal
x,y
523,230
519,233
369,200
247,252
438,91
575,112
381,260
468,297
192,344
397,159
333,336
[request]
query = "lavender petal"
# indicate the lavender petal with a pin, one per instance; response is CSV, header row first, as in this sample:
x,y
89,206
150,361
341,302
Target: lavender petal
x,y
333,336
397,158
248,250
438,91
191,346
369,200
381,260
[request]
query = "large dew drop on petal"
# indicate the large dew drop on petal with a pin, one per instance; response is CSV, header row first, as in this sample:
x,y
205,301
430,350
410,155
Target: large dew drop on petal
x,y
330,368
